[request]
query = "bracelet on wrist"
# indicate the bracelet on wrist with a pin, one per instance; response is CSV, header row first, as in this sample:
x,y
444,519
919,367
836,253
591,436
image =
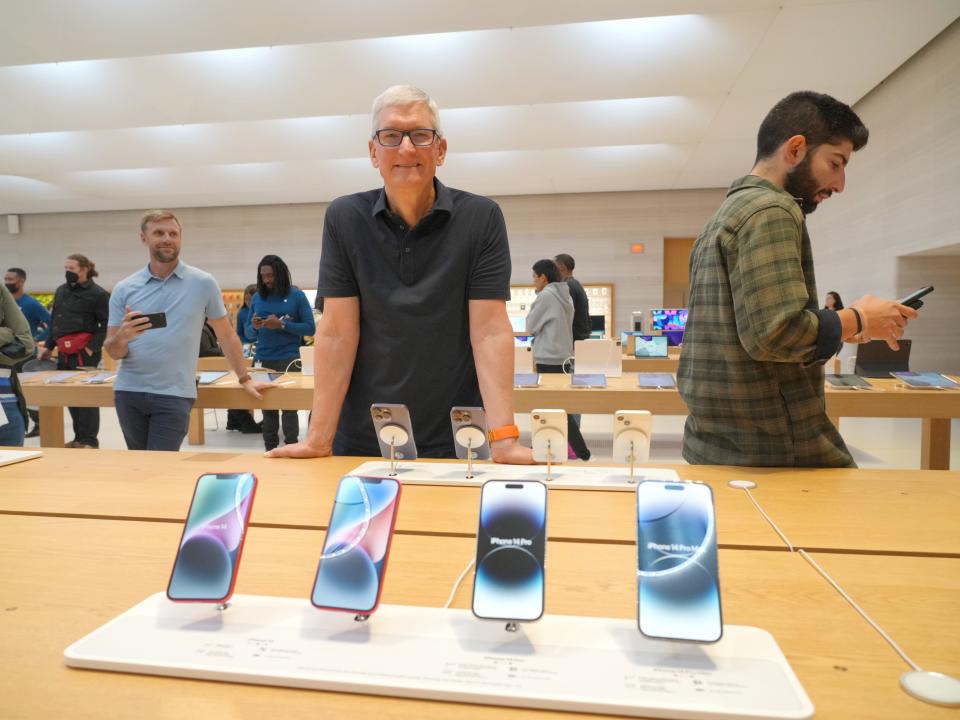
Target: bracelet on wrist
x,y
856,314
504,433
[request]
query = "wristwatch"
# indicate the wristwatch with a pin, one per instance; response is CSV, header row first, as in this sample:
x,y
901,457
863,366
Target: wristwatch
x,y
243,378
503,433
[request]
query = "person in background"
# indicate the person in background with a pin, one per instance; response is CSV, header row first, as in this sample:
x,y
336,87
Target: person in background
x,y
581,306
751,370
243,420
281,316
33,310
245,331
209,346
78,328
156,383
38,318
16,346
550,321
833,301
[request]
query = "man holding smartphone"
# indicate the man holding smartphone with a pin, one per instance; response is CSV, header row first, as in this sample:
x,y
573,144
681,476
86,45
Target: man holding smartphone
x,y
415,278
751,370
156,383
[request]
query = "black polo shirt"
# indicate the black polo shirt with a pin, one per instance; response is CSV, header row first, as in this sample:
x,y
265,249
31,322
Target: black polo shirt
x,y
414,285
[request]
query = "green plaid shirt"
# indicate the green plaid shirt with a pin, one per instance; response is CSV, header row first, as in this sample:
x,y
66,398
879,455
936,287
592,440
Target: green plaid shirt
x,y
751,370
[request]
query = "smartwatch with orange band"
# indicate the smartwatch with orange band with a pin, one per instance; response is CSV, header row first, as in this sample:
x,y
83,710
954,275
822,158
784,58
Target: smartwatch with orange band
x,y
504,433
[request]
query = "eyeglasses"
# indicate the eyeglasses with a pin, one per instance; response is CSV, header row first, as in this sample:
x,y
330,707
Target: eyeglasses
x,y
420,137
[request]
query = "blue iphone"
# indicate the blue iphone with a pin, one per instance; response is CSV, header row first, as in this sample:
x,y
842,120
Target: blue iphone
x,y
678,584
355,551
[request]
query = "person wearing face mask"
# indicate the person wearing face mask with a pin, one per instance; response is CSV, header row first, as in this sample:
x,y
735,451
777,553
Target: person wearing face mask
x,y
16,345
37,317
751,370
78,328
36,314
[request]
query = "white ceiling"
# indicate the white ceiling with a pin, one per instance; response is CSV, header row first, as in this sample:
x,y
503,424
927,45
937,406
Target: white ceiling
x,y
121,104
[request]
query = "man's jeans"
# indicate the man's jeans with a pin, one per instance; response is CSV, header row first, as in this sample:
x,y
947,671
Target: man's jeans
x,y
272,418
152,422
12,432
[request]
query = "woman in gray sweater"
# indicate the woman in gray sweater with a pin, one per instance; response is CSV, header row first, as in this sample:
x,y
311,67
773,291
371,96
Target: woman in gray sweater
x,y
550,321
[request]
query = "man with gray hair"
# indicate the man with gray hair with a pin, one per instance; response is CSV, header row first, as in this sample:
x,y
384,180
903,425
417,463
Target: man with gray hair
x,y
414,278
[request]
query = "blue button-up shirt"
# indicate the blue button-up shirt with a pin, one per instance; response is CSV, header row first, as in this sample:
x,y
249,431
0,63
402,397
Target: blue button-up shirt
x,y
164,360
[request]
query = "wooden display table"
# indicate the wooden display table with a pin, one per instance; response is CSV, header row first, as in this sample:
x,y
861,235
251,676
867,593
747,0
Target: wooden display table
x,y
891,400
828,509
65,577
668,364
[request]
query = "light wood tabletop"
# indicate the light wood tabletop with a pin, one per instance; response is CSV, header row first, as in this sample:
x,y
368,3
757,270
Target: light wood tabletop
x,y
64,577
123,484
632,364
884,511
889,399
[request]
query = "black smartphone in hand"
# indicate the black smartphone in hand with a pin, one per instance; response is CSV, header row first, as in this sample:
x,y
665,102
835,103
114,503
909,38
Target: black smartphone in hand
x,y
157,320
913,299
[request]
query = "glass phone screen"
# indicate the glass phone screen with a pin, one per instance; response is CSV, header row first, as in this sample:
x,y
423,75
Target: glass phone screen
x,y
350,573
206,563
511,540
678,587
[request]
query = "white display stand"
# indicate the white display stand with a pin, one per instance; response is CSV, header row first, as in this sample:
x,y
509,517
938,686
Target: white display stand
x,y
9,457
587,477
582,664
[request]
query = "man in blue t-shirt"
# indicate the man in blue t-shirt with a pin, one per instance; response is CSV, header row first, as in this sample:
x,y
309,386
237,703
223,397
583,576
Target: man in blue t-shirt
x,y
156,382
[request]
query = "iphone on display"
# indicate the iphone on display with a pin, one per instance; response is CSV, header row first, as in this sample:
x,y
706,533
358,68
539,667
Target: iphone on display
x,y
393,420
548,434
208,557
470,424
678,584
355,552
511,545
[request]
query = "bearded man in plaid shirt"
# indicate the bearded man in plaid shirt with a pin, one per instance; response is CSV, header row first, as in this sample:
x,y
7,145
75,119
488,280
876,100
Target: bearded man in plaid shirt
x,y
751,369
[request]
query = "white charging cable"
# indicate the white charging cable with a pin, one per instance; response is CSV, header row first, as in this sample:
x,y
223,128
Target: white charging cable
x,y
928,686
458,583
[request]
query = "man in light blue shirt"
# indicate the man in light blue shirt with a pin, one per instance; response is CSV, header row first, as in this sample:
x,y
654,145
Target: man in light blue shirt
x,y
156,382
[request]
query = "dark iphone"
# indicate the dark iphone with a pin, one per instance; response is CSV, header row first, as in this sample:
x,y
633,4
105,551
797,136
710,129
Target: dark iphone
x,y
157,320
913,299
511,544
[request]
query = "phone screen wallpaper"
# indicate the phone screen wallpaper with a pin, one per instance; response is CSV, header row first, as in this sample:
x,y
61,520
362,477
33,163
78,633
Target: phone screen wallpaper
x,y
212,538
678,587
509,582
354,552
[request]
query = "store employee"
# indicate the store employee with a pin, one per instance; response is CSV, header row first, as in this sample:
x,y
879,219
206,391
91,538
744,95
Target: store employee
x,y
415,278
